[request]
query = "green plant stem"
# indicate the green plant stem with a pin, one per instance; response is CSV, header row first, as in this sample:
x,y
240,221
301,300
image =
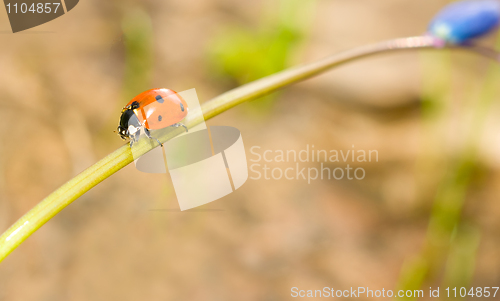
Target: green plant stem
x,y
115,161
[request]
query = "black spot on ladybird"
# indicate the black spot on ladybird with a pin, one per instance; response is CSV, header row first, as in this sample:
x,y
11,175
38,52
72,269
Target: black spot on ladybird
x,y
159,118
182,107
159,99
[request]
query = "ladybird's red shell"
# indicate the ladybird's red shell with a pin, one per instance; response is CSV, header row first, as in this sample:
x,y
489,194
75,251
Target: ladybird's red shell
x,y
159,108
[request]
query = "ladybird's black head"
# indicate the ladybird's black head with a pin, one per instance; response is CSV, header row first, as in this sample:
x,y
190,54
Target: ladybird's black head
x,y
127,119
133,105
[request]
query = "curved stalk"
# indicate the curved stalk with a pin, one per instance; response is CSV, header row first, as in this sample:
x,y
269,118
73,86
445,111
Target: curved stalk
x,y
118,159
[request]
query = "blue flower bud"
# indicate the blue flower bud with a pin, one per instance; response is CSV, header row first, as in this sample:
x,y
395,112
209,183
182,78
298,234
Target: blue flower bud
x,y
465,20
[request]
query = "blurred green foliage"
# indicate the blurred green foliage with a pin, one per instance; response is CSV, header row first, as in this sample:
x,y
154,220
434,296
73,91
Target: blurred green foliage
x,y
450,246
138,41
239,54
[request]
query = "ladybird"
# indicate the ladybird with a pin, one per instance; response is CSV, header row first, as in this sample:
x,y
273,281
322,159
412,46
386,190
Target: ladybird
x,y
151,110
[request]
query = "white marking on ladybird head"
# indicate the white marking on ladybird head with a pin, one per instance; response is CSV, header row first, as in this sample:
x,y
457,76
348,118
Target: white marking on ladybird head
x,y
132,129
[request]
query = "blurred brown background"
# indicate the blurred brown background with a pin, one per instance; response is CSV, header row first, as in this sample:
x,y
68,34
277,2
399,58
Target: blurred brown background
x,y
62,86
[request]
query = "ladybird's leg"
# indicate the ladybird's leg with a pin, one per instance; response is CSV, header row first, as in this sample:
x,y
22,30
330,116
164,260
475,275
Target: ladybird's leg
x,y
185,127
148,134
137,136
176,125
133,138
